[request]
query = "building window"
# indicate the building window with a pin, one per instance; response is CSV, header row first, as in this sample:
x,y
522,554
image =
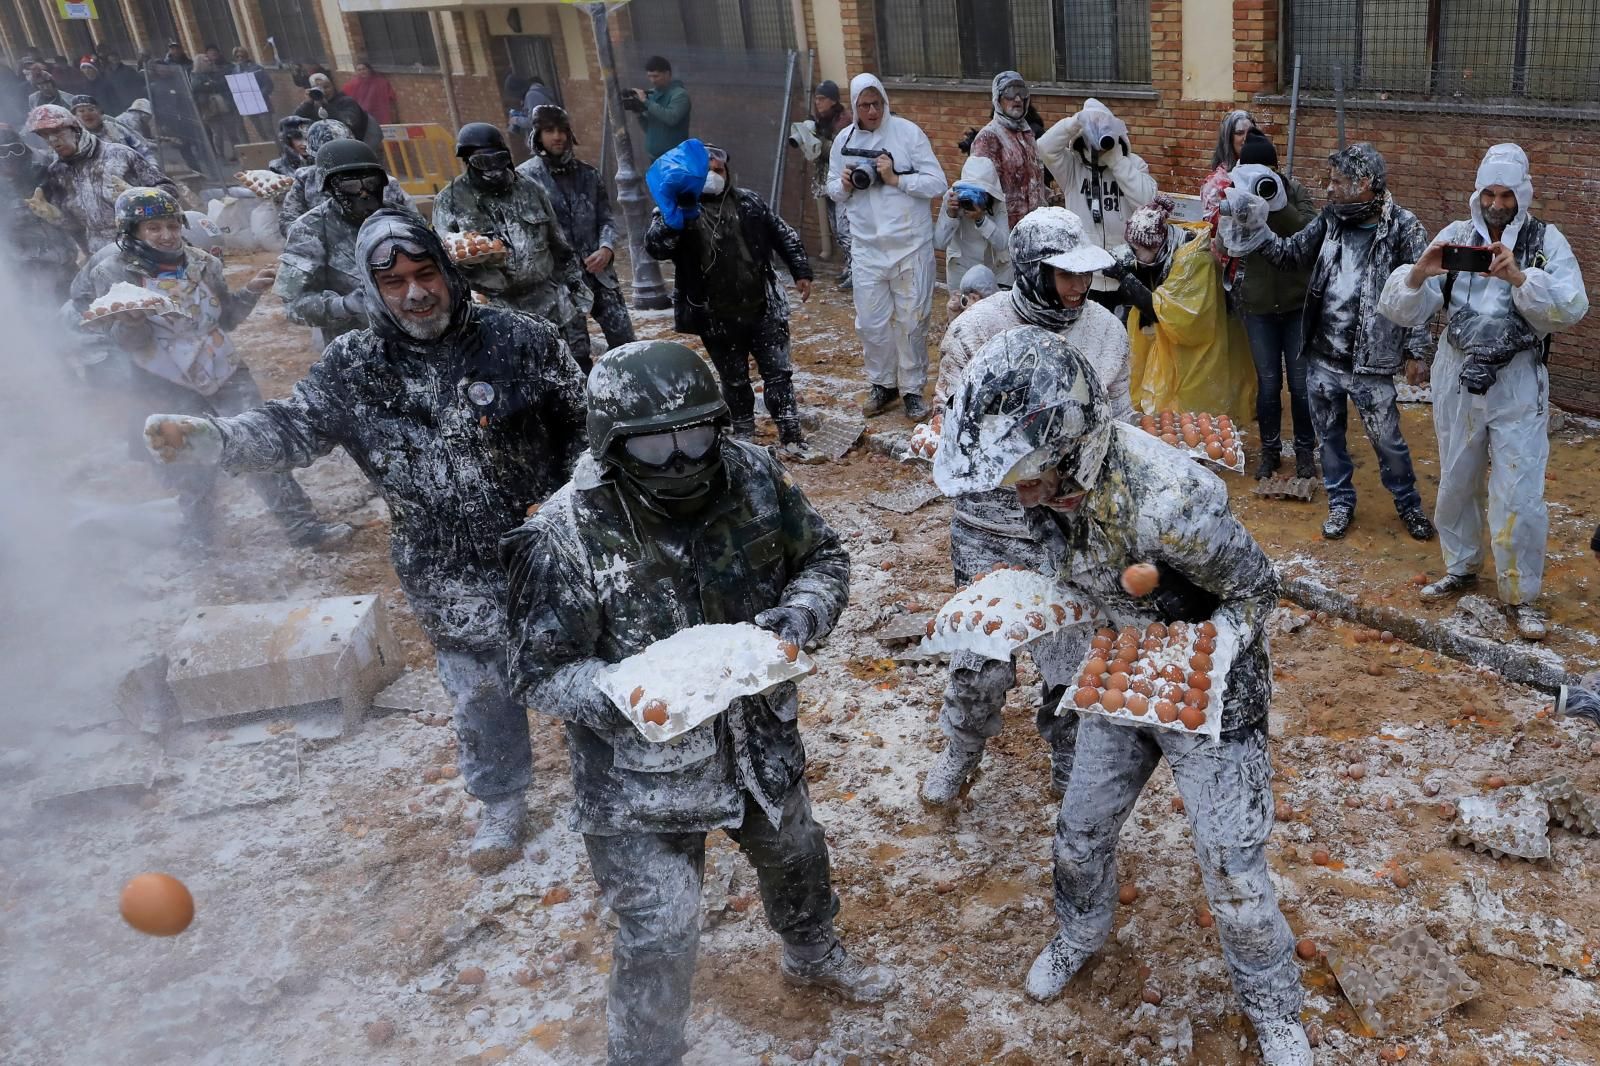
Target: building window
x,y
295,35
214,21
112,29
731,24
1468,50
1060,42
159,25
398,39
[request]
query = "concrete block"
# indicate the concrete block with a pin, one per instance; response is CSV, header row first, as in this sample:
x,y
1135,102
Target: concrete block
x,y
249,658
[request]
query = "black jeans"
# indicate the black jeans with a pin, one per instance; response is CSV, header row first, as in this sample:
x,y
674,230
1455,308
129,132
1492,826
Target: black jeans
x,y
732,345
1275,342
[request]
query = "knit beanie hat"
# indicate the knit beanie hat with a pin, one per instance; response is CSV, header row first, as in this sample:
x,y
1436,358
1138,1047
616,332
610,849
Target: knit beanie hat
x,y
1258,149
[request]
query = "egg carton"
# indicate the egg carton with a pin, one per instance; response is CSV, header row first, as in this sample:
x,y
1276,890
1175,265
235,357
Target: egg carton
x,y
1287,488
416,690
835,435
1531,938
1405,392
924,441
126,770
1002,612
1226,647
1396,987
908,499
904,628
1569,808
231,776
1198,452
1509,823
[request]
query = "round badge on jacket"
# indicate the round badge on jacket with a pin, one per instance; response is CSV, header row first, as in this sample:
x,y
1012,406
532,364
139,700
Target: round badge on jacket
x,y
481,393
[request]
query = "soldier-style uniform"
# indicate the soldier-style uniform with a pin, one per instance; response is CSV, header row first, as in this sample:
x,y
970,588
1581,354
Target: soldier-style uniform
x,y
32,227
626,555
308,189
541,274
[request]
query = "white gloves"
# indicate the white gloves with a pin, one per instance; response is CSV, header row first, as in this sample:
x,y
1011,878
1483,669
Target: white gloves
x,y
182,439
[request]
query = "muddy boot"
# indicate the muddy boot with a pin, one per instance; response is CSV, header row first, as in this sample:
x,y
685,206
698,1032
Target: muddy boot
x,y
1448,585
1528,620
838,971
744,429
916,406
1283,1042
501,827
322,536
1056,965
879,400
1271,456
1579,702
1417,524
950,776
1305,462
1338,523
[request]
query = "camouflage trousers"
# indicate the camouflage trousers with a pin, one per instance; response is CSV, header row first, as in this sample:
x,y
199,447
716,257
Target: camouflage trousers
x,y
610,312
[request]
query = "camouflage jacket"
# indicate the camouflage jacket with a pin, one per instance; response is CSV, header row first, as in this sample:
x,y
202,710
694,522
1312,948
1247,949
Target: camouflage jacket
x,y
1153,504
542,274
582,207
86,186
306,193
318,266
596,577
461,436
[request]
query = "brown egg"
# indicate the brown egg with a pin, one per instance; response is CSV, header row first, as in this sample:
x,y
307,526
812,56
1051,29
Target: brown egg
x,y
1200,661
1356,771
1127,894
1166,711
1129,633
1151,996
1136,704
1306,949
1205,645
1214,449
635,696
1192,717
1229,456
791,652
1202,917
1401,879
1172,672
1108,634
1199,682
1495,781
1118,683
1155,629
1088,681
1174,693
1320,857
1191,436
157,904
1170,438
1197,699
1112,699
1204,422
1152,643
1143,686
1086,697
1059,613
991,626
1283,812
1224,422
973,619
1147,424
1034,619
1177,804
655,712
928,629
1208,630
1101,644
1140,579
1095,666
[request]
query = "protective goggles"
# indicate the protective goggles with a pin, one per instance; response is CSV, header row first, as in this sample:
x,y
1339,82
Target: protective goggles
x,y
356,184
1014,93
14,150
657,449
486,160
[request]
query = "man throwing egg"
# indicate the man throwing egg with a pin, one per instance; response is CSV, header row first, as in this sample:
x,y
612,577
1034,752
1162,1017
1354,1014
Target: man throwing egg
x,y
1100,496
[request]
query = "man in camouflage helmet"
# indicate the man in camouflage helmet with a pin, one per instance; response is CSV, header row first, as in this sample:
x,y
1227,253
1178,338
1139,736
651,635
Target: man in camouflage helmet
x,y
437,398
1098,496
309,189
540,273
668,524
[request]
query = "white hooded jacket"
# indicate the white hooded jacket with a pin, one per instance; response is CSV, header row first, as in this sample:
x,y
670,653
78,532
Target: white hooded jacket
x,y
887,223
966,243
1125,181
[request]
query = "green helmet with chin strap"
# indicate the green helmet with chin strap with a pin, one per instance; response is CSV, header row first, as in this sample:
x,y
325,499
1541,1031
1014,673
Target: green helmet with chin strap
x,y
650,387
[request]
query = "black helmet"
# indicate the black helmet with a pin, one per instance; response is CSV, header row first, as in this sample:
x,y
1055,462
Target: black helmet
x,y
476,135
344,156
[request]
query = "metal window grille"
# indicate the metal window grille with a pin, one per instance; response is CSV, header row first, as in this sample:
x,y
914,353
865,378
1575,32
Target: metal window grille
x,y
113,28
214,20
758,24
1469,50
399,39
160,26
292,25
1063,42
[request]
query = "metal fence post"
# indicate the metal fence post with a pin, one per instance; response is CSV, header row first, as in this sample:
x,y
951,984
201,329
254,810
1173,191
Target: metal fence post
x,y
783,131
1338,95
1294,116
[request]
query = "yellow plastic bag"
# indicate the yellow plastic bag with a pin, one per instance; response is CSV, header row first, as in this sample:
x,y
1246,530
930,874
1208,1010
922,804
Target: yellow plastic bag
x,y
1197,357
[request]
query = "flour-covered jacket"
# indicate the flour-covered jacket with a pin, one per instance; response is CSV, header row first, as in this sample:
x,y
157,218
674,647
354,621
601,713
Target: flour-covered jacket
x,y
596,577
318,267
193,349
1124,180
966,243
582,206
1152,504
461,436
307,192
33,240
86,185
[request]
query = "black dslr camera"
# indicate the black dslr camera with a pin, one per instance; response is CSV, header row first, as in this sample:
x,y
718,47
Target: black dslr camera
x,y
631,101
865,176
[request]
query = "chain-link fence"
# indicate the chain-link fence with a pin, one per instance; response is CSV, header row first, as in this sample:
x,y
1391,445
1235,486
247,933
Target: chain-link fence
x,y
1432,85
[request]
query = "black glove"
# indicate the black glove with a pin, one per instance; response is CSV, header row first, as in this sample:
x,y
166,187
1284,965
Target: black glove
x,y
353,304
1116,271
1177,599
797,625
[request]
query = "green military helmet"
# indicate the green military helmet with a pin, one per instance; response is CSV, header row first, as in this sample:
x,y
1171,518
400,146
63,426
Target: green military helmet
x,y
344,156
650,387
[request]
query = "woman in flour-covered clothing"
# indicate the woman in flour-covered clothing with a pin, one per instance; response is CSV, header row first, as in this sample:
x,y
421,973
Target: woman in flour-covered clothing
x,y
185,362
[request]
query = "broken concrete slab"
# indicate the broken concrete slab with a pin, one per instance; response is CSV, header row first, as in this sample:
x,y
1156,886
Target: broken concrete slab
x,y
415,691
145,698
1397,986
245,659
1509,823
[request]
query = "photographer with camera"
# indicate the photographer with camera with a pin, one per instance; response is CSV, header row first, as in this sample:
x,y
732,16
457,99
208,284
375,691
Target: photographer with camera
x,y
972,229
883,170
663,109
1506,280
324,101
1103,181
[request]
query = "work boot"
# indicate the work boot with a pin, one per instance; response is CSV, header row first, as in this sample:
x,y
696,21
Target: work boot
x,y
1449,585
1056,965
950,776
916,406
1271,456
1283,1042
322,536
1529,621
838,971
743,429
879,400
1061,769
1305,462
501,827
846,282
1417,524
1338,523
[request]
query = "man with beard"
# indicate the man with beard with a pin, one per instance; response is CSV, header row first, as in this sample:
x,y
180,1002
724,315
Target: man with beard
x,y
540,273
88,175
438,397
320,279
33,227
726,291
1007,142
1054,263
1352,352
584,210
309,188
292,142
667,525
1491,391
87,111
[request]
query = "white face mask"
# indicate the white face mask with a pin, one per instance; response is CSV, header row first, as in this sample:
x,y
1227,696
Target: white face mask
x,y
715,183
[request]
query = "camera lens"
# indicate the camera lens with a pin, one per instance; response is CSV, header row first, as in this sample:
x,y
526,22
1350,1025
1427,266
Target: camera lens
x,y
1107,143
1267,188
860,178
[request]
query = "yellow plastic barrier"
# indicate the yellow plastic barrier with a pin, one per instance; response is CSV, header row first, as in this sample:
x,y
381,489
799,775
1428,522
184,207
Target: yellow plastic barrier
x,y
420,155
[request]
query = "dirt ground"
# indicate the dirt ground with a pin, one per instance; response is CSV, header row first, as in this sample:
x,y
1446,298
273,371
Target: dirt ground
x,y
343,926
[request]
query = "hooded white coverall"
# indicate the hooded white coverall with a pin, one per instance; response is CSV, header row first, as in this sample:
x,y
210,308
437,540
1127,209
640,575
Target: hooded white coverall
x,y
1125,181
891,243
1505,429
966,243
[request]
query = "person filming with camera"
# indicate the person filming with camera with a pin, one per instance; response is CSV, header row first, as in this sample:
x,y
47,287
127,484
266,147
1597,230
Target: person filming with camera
x,y
663,109
972,229
1507,281
883,170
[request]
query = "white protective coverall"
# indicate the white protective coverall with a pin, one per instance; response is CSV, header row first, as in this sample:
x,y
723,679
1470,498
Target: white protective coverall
x,y
966,243
891,243
1505,428
1125,184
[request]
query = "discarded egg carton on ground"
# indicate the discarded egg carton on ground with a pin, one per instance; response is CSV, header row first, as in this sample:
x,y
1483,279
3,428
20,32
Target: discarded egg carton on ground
x,y
1479,614
1397,986
231,776
1405,392
126,769
835,435
1531,938
415,690
1287,488
904,628
1509,823
250,658
907,499
1569,808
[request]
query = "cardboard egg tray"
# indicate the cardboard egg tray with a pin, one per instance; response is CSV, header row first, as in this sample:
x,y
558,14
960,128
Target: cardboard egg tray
x,y
1002,612
1404,392
231,776
907,499
1287,488
128,770
1397,986
1175,650
264,183
471,248
1569,808
835,435
1508,823
1198,451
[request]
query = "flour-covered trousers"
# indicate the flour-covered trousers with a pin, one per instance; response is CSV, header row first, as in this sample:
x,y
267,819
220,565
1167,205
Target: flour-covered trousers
x,y
894,305
610,312
1330,388
652,882
1506,433
1227,791
495,755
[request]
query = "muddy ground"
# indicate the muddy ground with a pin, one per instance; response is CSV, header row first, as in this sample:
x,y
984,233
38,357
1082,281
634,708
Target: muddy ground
x,y
343,926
